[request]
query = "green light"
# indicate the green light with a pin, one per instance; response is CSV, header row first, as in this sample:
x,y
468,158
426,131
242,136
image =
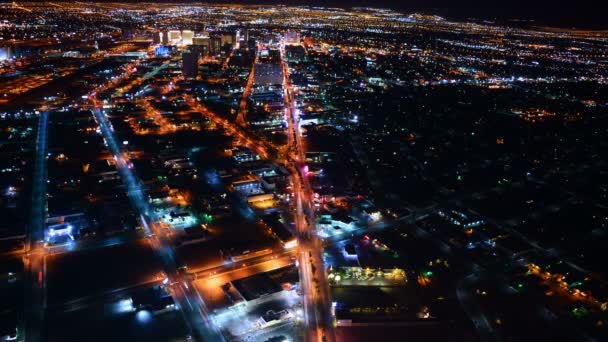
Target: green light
x,y
459,178
207,218
580,312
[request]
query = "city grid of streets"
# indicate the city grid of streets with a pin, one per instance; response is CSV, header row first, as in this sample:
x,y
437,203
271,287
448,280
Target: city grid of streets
x,y
262,173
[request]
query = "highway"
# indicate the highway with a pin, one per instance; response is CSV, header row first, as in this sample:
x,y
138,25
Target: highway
x,y
240,116
317,298
34,259
38,214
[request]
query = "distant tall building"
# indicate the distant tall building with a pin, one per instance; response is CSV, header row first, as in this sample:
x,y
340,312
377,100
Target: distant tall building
x,y
215,46
174,36
270,56
164,38
200,50
251,44
228,39
294,53
157,37
187,36
200,40
292,38
201,45
190,64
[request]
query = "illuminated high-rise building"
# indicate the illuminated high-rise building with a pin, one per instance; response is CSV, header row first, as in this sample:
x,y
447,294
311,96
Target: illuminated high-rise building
x,y
199,40
295,53
187,36
164,38
215,45
174,36
157,37
228,39
201,44
292,38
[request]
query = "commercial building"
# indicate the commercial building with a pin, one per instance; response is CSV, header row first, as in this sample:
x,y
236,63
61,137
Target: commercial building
x,y
201,40
164,37
157,37
228,39
59,233
215,45
291,38
294,53
268,74
242,155
262,202
153,298
201,45
248,185
174,36
187,37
